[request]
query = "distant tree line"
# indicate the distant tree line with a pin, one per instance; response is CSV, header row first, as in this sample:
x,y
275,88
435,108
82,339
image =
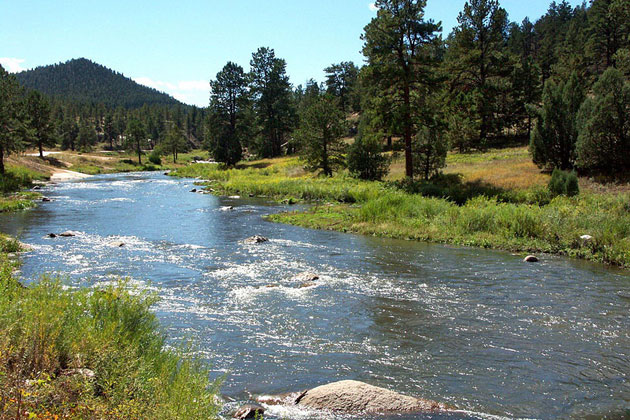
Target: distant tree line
x,y
560,84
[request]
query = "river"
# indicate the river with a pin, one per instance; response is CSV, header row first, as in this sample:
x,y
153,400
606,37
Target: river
x,y
478,329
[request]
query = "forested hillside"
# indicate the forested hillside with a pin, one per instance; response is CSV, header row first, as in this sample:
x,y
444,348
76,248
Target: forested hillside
x,y
83,81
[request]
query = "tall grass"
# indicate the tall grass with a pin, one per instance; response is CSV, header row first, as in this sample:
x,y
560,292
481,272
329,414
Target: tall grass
x,y
557,227
276,182
49,332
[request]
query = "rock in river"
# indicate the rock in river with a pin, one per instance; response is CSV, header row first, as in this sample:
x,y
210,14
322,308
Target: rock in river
x,y
306,277
256,240
68,234
531,259
249,411
353,397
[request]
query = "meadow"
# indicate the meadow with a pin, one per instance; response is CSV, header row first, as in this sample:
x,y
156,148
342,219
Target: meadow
x,y
497,199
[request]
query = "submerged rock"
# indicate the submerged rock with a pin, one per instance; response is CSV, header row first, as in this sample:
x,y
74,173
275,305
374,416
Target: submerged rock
x,y
46,199
117,244
531,259
194,190
623,294
67,234
249,411
256,239
354,397
52,235
227,208
306,277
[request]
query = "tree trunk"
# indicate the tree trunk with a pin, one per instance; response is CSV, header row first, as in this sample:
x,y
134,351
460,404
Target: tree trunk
x,y
1,161
407,123
389,143
41,150
139,153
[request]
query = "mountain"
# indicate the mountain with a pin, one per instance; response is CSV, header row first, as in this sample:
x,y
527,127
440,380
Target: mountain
x,y
83,81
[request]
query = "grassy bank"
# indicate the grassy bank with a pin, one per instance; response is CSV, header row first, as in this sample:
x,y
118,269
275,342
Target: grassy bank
x,y
12,184
471,207
91,354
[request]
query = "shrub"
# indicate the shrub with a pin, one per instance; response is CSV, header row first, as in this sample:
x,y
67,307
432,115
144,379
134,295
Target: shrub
x,y
564,183
366,159
154,157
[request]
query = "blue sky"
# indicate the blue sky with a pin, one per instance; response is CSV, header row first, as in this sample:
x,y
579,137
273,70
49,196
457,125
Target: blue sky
x,y
178,46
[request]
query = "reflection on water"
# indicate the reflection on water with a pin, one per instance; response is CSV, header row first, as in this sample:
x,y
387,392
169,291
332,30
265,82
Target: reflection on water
x,y
473,328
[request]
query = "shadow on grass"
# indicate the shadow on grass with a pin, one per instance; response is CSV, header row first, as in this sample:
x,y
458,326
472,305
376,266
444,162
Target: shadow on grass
x,y
258,165
452,187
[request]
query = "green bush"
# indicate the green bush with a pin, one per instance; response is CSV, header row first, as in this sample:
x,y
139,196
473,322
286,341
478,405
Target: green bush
x,y
564,183
48,329
366,159
154,157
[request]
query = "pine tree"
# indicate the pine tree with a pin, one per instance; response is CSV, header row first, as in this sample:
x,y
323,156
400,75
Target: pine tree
x,y
322,126
341,81
478,62
555,135
398,45
271,90
42,128
604,126
174,143
135,136
609,29
228,106
12,127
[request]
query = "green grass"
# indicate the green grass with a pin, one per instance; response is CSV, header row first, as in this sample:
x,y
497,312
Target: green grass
x,y
448,209
46,330
484,222
17,177
279,182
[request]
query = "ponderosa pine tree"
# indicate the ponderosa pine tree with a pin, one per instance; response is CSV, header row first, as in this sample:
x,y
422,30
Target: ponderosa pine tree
x,y
135,136
273,105
399,46
341,81
322,126
12,127
42,129
604,126
555,135
609,30
228,104
174,142
69,132
365,156
86,136
478,62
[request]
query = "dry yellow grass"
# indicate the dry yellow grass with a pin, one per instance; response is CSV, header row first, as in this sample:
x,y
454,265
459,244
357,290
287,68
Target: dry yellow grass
x,y
510,168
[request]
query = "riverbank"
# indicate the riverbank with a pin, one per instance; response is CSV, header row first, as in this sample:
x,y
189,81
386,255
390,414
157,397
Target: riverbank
x,y
91,353
68,353
473,212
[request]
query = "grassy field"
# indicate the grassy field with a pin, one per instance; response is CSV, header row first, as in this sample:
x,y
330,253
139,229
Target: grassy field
x,y
497,199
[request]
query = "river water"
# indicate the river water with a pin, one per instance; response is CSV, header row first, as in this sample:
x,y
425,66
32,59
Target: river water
x,y
478,329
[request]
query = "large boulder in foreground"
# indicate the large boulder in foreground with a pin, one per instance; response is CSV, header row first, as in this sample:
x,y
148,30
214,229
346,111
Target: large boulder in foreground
x,y
353,397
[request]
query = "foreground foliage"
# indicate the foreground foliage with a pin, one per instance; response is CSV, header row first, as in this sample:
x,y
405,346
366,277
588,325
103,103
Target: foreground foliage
x,y
91,354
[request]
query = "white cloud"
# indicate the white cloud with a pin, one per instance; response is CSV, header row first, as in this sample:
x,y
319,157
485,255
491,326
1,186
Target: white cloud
x,y
373,7
12,65
193,92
